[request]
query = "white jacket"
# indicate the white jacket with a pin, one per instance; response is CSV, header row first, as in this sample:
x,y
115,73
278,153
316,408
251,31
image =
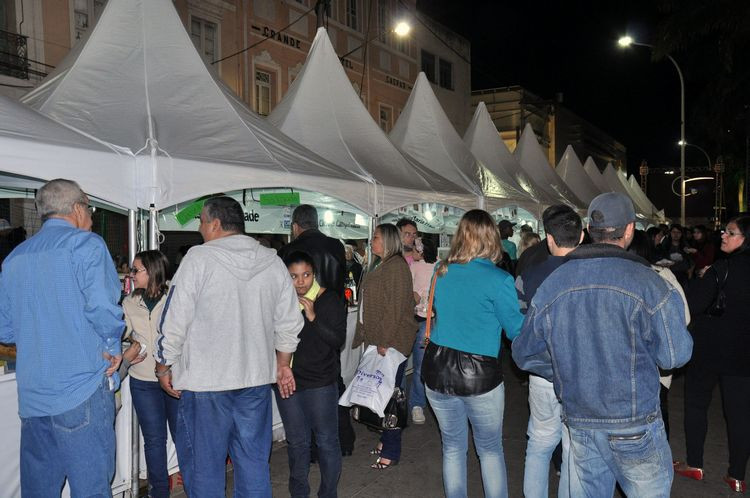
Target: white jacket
x,y
231,305
141,326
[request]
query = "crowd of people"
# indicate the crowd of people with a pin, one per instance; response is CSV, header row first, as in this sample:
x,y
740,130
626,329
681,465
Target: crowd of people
x,y
597,315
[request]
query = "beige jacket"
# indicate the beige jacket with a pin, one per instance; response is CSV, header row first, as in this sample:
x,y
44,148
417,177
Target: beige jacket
x,y
141,326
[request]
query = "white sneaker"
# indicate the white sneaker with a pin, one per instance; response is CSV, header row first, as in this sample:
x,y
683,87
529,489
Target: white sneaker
x,y
417,415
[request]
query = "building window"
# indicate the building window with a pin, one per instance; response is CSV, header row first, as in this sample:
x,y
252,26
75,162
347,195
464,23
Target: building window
x,y
383,21
428,65
204,35
263,93
446,74
386,118
352,19
385,61
85,12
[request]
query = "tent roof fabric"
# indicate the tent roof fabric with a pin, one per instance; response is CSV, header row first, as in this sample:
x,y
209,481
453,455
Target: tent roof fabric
x,y
533,161
592,170
619,184
571,171
485,143
36,149
322,93
424,132
138,82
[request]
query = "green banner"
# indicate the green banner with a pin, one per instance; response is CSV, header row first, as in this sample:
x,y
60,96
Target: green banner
x,y
191,211
280,199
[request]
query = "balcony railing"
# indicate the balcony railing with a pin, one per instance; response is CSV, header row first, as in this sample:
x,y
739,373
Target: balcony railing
x,y
13,59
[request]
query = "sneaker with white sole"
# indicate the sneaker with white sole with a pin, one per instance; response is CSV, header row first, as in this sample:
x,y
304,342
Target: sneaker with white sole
x,y
417,415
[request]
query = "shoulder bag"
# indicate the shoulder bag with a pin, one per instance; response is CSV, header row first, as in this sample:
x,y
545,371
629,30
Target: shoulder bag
x,y
719,303
458,373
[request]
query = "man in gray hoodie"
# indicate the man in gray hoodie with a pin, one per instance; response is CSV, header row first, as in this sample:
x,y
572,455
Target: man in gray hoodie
x,y
228,331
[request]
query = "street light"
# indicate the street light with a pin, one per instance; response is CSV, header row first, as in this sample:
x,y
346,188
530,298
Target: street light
x,y
402,29
626,41
695,179
682,143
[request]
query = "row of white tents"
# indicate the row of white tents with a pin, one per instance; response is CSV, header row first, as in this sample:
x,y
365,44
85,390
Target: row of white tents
x,y
134,114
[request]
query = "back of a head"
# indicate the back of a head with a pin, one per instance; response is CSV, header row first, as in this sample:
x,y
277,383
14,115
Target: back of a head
x,y
391,237
640,245
305,216
228,211
58,197
563,224
477,236
429,250
609,215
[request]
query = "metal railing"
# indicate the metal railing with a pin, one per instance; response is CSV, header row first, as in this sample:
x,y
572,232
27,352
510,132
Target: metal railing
x,y
13,59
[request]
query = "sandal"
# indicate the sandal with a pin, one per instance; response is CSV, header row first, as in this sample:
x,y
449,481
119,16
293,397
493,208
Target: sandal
x,y
379,465
685,470
376,451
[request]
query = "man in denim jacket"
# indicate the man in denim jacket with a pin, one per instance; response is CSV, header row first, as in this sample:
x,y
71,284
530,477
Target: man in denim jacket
x,y
608,323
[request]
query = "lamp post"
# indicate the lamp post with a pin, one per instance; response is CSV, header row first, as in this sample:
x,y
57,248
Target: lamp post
x,y
626,41
708,158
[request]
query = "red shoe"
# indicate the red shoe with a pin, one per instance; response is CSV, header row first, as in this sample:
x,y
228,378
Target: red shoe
x,y
685,470
735,484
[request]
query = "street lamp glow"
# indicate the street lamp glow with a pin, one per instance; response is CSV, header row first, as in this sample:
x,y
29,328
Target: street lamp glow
x,y
625,41
682,143
402,28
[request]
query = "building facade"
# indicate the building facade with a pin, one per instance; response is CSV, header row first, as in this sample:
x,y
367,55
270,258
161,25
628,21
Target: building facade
x,y
556,127
259,46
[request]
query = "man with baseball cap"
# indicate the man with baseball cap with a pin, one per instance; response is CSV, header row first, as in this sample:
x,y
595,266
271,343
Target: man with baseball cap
x,y
605,323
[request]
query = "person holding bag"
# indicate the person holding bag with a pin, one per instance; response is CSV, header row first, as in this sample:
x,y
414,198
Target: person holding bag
x,y
461,369
721,332
386,319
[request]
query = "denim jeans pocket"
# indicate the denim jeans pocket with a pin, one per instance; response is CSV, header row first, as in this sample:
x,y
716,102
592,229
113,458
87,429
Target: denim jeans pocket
x,y
74,419
636,454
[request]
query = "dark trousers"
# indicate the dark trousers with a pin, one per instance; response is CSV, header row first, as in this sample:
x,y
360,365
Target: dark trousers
x,y
664,405
735,393
156,410
391,439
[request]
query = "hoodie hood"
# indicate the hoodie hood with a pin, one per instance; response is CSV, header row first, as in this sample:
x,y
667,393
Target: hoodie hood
x,y
241,255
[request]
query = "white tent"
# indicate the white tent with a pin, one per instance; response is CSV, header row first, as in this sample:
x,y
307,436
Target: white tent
x,y
618,184
485,143
139,83
592,170
533,161
636,189
322,111
571,171
36,148
424,133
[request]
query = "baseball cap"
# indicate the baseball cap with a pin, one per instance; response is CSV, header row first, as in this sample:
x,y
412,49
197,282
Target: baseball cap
x,y
506,224
610,210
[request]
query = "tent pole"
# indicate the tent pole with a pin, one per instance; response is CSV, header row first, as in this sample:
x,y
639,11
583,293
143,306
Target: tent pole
x,y
134,430
153,230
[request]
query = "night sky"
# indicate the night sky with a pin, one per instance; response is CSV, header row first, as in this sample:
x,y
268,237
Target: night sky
x,y
571,47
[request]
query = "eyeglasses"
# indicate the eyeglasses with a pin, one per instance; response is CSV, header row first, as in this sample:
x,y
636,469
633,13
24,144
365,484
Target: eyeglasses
x,y
135,271
730,233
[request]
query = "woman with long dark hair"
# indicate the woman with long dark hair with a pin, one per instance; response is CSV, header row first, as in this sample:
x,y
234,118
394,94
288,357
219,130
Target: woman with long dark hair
x,y
386,319
475,301
721,354
155,408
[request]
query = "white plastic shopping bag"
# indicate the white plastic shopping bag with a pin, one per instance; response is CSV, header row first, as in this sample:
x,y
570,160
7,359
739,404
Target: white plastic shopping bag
x,y
373,384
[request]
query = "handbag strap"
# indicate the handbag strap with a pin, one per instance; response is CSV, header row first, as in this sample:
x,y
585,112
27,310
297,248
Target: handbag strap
x,y
428,326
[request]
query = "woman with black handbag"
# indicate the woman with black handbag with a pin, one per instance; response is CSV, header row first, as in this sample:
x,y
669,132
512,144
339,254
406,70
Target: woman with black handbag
x,y
721,353
461,369
386,319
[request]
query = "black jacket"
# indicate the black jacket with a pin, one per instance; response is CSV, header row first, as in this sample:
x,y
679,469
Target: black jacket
x,y
327,254
722,343
317,362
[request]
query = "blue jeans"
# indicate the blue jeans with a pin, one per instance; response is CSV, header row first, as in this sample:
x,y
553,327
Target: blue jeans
x,y
306,412
638,458
78,444
212,424
391,439
155,409
416,393
545,430
485,412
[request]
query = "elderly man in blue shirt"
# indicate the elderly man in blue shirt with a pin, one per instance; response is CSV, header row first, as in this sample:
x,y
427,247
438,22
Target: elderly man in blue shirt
x,y
58,303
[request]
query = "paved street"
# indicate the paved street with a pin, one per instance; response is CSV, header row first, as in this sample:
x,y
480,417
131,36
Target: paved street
x,y
419,471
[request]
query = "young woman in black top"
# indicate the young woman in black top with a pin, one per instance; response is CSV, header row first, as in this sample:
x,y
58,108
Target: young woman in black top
x,y
313,408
